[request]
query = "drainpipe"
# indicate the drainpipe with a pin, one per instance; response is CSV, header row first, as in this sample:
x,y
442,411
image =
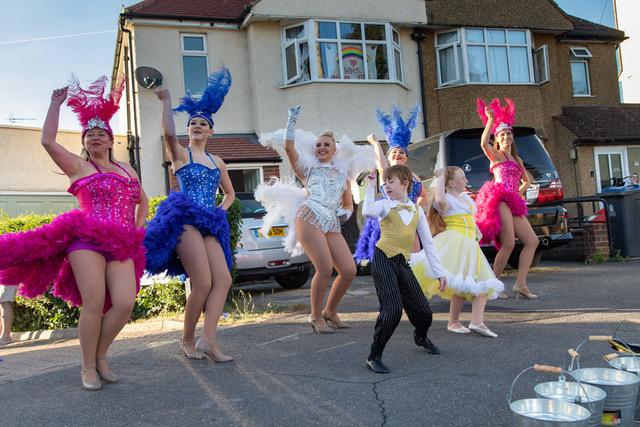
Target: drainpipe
x,y
132,131
418,36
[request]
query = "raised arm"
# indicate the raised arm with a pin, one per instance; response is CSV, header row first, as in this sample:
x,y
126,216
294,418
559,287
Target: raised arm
x,y
69,162
371,207
440,202
381,160
176,153
489,151
289,142
226,185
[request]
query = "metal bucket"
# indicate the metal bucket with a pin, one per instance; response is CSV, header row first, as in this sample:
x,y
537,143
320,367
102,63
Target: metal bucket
x,y
622,393
627,362
587,396
541,412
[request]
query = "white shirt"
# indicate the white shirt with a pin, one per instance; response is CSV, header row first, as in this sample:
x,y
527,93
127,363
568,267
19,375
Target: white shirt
x,y
381,208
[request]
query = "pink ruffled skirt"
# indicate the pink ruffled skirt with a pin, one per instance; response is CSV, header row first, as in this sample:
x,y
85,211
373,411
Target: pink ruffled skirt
x,y
37,259
487,215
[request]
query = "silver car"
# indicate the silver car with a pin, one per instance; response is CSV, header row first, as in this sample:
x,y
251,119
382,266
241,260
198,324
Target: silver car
x,y
261,257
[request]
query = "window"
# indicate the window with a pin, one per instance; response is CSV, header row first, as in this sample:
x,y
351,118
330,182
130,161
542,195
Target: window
x,y
337,50
580,71
482,55
541,64
245,178
194,63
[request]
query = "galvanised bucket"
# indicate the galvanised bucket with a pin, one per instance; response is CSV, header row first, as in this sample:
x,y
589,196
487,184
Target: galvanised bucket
x,y
541,412
621,388
587,396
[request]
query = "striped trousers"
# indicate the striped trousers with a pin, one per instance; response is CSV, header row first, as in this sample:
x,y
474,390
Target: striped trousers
x,y
397,288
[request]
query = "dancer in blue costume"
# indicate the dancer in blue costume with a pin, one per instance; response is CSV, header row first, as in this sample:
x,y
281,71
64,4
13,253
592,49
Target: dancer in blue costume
x,y
398,133
189,233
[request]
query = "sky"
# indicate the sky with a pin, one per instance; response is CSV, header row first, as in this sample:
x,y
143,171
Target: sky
x,y
42,42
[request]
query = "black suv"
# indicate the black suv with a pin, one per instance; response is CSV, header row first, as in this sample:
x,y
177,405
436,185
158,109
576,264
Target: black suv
x,y
462,148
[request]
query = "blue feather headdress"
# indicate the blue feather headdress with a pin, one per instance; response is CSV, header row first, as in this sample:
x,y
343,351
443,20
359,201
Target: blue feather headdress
x,y
218,85
398,131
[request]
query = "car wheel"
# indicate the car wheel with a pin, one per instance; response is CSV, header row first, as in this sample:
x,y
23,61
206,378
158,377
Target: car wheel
x,y
515,258
293,280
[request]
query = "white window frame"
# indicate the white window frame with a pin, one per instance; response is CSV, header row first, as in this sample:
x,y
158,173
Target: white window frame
x,y
296,43
251,166
463,44
456,64
313,43
184,52
586,69
545,54
575,51
621,150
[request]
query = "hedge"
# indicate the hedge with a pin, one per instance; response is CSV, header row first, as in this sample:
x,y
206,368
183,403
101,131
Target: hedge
x,y
49,312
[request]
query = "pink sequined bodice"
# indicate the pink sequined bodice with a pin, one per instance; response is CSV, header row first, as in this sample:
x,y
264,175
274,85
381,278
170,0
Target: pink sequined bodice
x,y
509,173
108,197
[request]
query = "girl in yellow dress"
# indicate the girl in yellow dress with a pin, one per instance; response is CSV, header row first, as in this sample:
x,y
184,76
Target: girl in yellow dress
x,y
456,236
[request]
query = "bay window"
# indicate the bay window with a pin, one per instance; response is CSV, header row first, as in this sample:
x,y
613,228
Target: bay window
x,y
323,50
487,56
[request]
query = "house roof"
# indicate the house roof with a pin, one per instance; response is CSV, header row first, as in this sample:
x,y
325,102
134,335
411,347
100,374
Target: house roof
x,y
587,30
237,148
602,124
210,10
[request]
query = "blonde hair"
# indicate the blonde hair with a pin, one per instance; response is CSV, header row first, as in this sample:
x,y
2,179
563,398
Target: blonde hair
x,y
435,218
328,134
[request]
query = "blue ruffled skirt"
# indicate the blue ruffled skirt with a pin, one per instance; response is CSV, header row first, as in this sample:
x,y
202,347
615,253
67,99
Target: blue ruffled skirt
x,y
367,241
164,231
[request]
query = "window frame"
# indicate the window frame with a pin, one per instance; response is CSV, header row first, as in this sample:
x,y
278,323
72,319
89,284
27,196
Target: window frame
x,y
545,54
463,45
586,70
296,43
185,52
574,49
313,43
250,166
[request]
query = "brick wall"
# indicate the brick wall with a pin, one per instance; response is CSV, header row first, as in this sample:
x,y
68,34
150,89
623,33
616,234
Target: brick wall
x,y
587,241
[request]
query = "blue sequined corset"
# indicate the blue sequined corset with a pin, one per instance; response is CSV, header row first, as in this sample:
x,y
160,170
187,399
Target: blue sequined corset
x,y
416,190
199,182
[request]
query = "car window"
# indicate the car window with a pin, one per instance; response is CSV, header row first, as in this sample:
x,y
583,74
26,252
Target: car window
x,y
251,209
465,152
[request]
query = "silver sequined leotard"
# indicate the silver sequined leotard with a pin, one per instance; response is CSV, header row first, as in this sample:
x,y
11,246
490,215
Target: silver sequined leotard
x,y
325,186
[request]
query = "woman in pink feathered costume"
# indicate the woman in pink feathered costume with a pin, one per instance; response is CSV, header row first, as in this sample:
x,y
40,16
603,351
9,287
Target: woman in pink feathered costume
x,y
93,255
502,210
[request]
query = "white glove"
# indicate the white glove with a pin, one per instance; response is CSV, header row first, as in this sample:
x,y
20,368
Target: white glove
x,y
343,214
294,112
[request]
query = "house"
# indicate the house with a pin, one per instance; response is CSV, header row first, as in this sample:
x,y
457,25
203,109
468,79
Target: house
x,y
31,181
561,71
342,59
339,59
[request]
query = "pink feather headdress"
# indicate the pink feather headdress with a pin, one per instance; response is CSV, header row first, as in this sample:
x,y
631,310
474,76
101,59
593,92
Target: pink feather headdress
x,y
89,104
503,117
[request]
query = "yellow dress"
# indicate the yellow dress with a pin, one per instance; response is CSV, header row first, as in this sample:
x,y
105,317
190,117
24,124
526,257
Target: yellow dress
x,y
468,272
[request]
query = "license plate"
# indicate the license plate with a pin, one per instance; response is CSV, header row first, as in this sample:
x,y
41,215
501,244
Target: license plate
x,y
532,193
273,232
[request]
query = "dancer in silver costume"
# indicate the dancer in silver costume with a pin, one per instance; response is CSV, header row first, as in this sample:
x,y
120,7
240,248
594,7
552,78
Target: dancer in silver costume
x,y
317,226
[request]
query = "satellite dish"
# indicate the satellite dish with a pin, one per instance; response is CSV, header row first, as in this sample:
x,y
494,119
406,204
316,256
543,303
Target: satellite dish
x,y
148,77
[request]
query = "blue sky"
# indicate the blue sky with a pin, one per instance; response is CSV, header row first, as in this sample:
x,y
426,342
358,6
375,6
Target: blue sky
x,y
32,68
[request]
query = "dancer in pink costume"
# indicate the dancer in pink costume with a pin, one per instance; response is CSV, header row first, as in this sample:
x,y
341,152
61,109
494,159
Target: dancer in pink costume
x,y
94,255
502,210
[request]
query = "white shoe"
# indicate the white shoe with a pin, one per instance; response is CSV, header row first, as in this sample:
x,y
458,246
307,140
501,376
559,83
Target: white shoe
x,y
482,330
458,329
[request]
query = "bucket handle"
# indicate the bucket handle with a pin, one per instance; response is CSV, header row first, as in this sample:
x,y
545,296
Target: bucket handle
x,y
547,369
575,356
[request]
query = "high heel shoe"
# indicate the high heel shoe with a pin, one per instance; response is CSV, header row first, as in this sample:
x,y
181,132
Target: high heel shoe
x,y
105,373
318,327
212,350
334,321
90,385
524,292
191,354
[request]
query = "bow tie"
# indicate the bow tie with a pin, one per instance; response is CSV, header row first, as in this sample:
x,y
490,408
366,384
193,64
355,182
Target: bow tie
x,y
401,207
